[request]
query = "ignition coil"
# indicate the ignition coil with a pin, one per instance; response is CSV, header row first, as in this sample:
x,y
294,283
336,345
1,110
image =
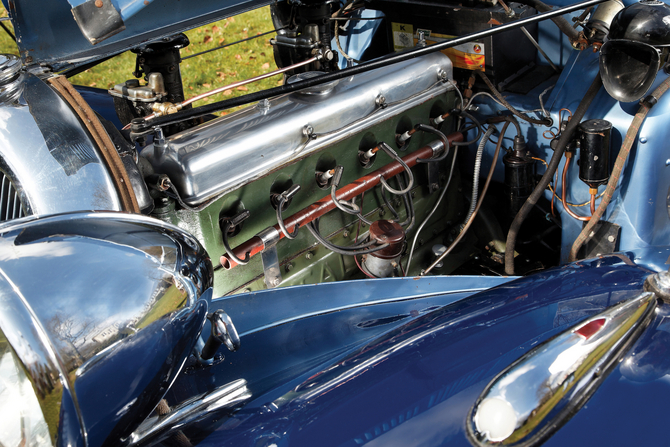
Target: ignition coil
x,y
594,159
519,175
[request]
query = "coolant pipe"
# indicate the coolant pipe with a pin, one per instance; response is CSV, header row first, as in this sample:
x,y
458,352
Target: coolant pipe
x,y
254,245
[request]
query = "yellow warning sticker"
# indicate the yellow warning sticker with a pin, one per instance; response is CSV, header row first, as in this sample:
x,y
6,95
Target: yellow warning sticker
x,y
402,36
470,56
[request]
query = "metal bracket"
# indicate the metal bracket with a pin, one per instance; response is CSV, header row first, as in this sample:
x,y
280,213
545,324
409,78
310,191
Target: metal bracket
x,y
270,237
433,174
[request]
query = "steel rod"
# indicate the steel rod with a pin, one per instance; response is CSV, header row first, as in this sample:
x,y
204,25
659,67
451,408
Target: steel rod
x,y
362,68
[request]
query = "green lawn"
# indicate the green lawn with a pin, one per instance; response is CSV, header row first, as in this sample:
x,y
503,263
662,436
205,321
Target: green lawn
x,y
201,73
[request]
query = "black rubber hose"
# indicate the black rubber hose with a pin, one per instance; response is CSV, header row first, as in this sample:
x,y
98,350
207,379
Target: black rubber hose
x,y
565,137
562,24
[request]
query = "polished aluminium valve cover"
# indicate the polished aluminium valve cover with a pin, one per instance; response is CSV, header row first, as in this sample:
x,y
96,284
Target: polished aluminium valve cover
x,y
230,152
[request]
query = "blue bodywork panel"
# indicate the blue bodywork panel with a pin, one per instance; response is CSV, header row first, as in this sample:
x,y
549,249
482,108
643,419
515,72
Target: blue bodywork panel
x,y
411,379
639,203
48,34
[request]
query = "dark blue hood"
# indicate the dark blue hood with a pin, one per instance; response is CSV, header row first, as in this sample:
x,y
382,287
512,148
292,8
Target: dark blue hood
x,y
416,383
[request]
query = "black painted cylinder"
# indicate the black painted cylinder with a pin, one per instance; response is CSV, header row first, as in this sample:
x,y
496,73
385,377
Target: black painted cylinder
x,y
594,159
519,180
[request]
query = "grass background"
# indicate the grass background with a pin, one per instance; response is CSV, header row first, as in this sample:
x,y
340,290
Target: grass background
x,y
202,73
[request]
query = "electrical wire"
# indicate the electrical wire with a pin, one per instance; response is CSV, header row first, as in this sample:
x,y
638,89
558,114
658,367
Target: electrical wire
x,y
432,211
478,165
480,131
626,147
479,203
529,204
508,106
313,227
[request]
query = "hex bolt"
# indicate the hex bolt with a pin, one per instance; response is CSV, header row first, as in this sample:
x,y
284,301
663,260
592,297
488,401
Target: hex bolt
x,y
309,255
610,238
345,234
275,282
288,267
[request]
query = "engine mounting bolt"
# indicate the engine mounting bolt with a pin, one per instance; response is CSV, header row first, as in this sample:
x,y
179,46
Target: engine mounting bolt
x,y
381,212
275,282
308,131
309,255
289,267
381,101
345,233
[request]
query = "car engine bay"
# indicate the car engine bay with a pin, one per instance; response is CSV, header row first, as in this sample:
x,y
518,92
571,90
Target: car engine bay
x,y
379,155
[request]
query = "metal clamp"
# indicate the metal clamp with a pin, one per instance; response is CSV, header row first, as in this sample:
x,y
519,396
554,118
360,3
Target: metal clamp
x,y
270,237
223,332
228,223
281,200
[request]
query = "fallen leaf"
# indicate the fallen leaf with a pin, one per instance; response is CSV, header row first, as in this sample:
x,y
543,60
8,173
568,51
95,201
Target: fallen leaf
x,y
224,113
227,92
221,40
242,88
215,29
231,19
265,66
252,57
207,85
92,84
225,25
262,54
280,82
207,39
190,87
238,57
221,74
